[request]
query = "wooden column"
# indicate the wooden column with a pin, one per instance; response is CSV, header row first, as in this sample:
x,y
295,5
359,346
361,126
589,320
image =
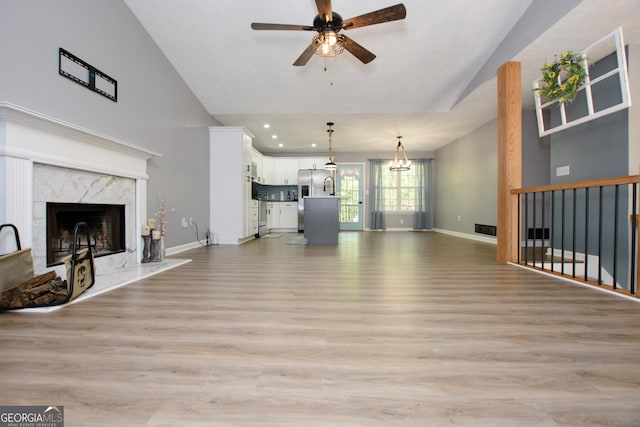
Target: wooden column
x,y
509,159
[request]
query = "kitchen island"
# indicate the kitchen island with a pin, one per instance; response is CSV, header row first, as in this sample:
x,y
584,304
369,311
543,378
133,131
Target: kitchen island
x,y
321,220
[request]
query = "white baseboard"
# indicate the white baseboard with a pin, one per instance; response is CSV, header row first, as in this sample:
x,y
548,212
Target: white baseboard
x,y
492,240
186,247
397,229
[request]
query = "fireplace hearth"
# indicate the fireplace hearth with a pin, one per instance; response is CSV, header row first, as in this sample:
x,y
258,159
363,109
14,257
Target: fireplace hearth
x,y
106,224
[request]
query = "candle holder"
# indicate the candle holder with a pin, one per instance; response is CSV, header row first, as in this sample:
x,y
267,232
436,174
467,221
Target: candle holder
x,y
155,247
146,250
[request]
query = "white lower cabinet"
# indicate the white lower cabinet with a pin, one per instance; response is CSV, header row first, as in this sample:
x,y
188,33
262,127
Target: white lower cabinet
x,y
253,218
284,215
289,215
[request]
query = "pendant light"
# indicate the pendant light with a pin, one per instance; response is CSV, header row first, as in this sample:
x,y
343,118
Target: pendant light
x,y
400,165
330,165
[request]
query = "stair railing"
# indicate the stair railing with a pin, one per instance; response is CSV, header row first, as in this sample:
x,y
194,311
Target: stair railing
x,y
586,231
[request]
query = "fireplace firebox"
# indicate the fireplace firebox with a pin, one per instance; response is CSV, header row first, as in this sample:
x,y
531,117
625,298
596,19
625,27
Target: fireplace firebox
x,y
106,224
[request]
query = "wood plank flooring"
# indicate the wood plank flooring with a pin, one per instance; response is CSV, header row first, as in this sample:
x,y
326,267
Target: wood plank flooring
x,y
387,328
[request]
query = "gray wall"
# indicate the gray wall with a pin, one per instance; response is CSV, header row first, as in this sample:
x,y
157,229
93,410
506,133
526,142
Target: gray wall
x,y
155,108
536,152
467,181
467,174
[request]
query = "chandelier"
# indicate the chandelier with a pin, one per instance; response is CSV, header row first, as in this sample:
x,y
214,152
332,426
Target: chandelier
x,y
400,165
328,43
330,165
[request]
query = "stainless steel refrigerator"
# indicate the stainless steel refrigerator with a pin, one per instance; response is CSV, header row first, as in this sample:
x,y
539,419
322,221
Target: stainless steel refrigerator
x,y
313,183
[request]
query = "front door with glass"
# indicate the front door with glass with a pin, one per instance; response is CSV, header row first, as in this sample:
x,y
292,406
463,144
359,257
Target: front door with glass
x,y
349,186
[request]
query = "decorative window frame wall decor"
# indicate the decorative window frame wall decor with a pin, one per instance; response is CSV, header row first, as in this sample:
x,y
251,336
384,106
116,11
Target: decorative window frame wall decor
x,y
592,54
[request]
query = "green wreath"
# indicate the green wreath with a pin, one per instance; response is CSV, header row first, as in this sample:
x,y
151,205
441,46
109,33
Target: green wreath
x,y
562,78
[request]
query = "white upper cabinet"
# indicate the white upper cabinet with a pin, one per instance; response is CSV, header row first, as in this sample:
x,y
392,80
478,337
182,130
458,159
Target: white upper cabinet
x,y
257,168
285,171
267,170
313,163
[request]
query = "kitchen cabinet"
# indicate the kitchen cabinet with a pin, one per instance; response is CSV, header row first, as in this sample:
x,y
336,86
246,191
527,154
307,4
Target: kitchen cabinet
x,y
269,215
253,218
289,215
285,171
321,220
267,170
285,215
230,151
256,165
313,163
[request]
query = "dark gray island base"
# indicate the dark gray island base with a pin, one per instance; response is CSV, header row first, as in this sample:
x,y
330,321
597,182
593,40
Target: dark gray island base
x,y
321,220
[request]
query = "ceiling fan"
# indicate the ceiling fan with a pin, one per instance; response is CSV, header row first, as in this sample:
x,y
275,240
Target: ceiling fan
x,y
329,23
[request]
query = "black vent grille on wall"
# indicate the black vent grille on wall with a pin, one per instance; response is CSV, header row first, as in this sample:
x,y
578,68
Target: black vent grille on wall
x,y
490,230
538,233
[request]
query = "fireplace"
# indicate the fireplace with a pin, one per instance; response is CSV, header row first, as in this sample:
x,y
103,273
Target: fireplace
x,y
106,224
46,160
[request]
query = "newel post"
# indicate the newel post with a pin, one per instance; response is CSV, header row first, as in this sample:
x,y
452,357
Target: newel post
x,y
509,159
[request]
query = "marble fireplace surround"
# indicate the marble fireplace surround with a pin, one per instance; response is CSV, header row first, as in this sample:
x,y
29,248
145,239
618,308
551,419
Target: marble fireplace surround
x,y
43,159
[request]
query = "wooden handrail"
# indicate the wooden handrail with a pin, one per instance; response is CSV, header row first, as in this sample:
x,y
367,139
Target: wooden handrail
x,y
632,179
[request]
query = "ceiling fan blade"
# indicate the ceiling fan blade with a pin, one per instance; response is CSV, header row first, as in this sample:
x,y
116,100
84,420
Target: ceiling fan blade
x,y
304,58
358,51
391,13
261,26
324,9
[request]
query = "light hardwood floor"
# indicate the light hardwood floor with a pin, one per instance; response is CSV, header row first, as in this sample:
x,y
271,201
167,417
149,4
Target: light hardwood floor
x,y
385,329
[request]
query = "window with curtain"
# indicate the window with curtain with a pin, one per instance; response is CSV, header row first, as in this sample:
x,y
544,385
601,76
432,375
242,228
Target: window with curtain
x,y
401,192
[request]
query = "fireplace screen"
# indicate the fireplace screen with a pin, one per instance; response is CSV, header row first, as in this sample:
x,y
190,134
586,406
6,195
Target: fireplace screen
x,y
106,229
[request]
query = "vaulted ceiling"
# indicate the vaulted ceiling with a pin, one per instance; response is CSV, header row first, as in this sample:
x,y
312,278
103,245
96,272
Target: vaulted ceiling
x,y
433,79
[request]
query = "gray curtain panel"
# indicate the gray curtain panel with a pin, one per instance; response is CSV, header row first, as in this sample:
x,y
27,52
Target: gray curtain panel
x,y
424,202
376,192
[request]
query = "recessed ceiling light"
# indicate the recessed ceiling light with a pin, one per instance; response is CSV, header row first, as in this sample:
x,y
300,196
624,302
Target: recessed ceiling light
x,y
267,125
274,136
280,145
313,145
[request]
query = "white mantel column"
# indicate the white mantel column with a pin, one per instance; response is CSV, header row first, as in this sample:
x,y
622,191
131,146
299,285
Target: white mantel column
x,y
15,201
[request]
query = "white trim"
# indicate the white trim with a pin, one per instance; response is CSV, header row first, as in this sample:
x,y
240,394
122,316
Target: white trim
x,y
42,139
24,116
182,248
492,240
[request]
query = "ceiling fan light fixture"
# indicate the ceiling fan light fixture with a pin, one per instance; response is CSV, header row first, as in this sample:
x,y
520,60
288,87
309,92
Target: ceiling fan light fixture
x,y
400,165
328,43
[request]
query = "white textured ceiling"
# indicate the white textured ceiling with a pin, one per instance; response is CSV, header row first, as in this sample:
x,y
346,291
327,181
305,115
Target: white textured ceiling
x,y
433,79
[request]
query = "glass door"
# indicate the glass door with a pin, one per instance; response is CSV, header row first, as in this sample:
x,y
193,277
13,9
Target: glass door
x,y
350,187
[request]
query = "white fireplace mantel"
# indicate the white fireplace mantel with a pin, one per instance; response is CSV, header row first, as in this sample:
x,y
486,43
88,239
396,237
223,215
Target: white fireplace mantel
x,y
28,138
26,134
